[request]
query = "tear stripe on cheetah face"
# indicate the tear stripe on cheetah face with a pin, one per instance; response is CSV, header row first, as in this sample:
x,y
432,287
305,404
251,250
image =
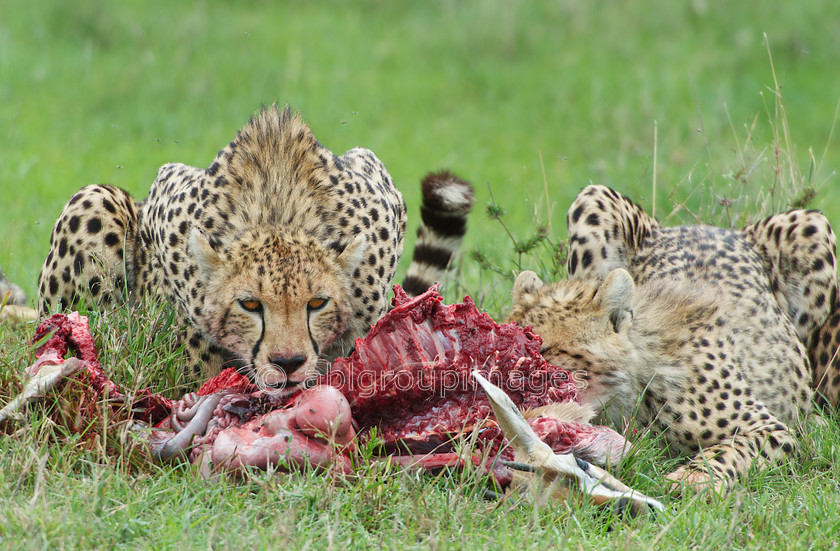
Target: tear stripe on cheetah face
x,y
277,301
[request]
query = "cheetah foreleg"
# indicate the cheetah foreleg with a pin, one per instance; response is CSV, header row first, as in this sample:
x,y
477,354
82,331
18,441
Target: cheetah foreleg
x,y
718,467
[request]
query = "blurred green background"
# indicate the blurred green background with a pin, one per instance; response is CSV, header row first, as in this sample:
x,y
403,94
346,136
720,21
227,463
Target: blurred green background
x,y
521,98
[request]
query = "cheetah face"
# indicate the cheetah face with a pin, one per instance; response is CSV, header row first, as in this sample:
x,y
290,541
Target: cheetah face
x,y
275,301
574,312
584,328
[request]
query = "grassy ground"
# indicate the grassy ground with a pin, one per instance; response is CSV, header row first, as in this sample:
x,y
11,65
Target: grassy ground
x,y
675,104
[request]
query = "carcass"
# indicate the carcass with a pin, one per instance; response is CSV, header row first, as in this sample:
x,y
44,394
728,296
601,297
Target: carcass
x,y
412,387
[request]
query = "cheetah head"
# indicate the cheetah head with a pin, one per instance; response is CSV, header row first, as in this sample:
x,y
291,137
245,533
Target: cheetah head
x,y
585,328
275,300
574,311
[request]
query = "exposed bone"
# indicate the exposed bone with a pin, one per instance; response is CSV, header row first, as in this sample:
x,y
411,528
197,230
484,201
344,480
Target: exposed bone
x,y
568,411
47,377
530,450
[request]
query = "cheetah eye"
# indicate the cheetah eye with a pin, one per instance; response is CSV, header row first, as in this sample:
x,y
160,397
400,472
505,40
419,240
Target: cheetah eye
x,y
316,303
251,304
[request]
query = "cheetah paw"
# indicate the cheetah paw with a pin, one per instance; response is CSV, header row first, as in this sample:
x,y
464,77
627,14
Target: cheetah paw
x,y
691,479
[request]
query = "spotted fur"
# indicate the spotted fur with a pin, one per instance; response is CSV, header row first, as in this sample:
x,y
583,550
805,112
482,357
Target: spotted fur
x,y
276,256
702,333
10,293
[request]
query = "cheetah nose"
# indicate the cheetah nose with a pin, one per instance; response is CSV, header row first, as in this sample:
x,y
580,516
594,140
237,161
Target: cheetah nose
x,y
288,363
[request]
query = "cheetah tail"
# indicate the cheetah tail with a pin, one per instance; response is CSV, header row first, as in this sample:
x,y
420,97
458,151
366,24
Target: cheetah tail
x,y
447,201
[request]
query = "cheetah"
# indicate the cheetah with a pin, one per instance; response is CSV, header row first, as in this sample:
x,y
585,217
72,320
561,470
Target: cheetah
x,y
13,302
715,338
10,293
275,258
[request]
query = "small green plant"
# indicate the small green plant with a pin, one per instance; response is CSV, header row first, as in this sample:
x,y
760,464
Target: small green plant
x,y
500,262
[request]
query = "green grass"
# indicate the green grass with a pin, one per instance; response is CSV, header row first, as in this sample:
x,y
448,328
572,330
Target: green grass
x,y
529,100
97,92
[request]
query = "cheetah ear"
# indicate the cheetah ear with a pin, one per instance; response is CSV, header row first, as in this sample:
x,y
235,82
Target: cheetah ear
x,y
351,256
615,297
206,257
526,283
